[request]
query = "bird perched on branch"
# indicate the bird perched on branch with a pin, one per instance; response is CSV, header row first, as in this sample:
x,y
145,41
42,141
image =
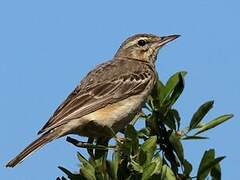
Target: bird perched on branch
x,y
108,97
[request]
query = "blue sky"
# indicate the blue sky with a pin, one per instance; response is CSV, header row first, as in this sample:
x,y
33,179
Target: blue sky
x,y
46,47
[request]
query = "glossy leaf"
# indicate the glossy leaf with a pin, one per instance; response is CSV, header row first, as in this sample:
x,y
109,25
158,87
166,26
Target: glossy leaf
x,y
132,135
142,157
177,91
208,156
169,120
167,173
131,132
151,123
187,168
214,123
115,162
176,117
207,163
170,175
172,119
63,178
144,132
149,144
158,89
216,172
137,167
137,156
170,85
200,113
87,173
209,166
67,172
164,171
194,138
148,148
175,141
157,159
148,171
86,164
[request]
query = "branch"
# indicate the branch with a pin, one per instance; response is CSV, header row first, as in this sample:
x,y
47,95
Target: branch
x,y
81,144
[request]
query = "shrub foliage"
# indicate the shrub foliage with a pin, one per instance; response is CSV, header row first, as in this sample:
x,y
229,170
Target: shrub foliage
x,y
155,151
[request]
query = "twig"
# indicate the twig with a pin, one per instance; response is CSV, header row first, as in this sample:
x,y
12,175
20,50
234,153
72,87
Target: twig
x,y
81,144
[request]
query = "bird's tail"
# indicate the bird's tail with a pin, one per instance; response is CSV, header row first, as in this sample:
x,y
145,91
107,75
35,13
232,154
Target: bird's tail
x,y
35,145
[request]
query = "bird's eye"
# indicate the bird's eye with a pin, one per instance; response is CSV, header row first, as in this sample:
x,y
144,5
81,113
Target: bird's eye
x,y
141,42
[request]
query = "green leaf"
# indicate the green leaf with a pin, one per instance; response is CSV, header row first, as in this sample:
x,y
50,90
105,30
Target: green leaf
x,y
154,103
200,113
177,91
152,123
209,166
216,172
137,167
101,167
214,123
131,134
87,173
187,168
207,163
156,89
176,117
169,120
148,148
194,138
170,175
208,156
82,159
172,119
149,103
148,171
150,144
63,178
67,172
157,159
170,85
115,163
164,171
175,141
142,157
167,173
144,132
86,164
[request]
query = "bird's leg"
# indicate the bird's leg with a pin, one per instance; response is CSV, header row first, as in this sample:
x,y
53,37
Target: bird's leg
x,y
101,152
90,150
113,134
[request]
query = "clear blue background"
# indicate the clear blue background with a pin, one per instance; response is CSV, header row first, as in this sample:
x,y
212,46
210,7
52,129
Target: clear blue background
x,y
46,47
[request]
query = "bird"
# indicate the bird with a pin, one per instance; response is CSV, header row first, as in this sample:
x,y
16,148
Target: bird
x,y
108,97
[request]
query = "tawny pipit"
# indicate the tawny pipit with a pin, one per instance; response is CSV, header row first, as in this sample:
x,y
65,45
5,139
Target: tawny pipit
x,y
108,97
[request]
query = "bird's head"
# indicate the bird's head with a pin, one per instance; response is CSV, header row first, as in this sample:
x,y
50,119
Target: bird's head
x,y
143,47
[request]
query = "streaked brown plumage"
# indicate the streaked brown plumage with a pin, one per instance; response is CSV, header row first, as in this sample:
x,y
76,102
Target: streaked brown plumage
x,y
108,97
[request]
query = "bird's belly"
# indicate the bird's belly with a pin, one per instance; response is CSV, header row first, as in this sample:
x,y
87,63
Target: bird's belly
x,y
119,111
115,116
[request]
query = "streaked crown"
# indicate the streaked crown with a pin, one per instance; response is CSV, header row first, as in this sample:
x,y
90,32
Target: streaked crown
x,y
143,47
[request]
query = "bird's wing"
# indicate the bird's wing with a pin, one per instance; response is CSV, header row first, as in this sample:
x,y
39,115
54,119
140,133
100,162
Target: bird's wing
x,y
88,97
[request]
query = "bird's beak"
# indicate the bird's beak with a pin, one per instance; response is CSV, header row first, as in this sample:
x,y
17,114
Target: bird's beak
x,y
165,39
